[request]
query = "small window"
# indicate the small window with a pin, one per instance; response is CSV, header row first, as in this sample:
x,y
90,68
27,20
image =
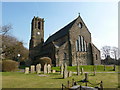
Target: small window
x,y
96,57
80,25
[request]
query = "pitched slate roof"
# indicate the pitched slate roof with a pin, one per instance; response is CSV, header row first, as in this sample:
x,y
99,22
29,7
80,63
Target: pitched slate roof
x,y
62,32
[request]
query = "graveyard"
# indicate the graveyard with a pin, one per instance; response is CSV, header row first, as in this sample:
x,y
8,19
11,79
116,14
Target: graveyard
x,y
55,77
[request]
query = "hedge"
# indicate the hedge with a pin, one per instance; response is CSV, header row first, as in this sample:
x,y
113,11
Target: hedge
x,y
9,65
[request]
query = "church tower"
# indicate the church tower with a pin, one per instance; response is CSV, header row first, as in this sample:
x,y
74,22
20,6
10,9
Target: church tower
x,y
37,37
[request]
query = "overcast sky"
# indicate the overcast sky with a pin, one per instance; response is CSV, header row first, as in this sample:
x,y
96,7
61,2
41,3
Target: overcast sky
x,y
101,19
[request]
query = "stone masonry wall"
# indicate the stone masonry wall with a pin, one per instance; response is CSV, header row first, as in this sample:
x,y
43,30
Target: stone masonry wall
x,y
74,33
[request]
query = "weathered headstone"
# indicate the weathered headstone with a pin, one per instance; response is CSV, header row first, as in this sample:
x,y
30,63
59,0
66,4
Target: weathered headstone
x,y
61,69
38,68
45,69
49,68
53,71
26,70
114,67
78,69
69,73
32,69
82,71
65,66
65,72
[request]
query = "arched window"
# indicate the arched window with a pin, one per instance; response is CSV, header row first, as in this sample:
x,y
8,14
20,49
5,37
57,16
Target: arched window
x,y
85,45
80,25
77,45
82,43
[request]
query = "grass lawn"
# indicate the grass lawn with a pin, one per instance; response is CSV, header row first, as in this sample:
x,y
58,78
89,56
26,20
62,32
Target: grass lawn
x,y
89,68
20,80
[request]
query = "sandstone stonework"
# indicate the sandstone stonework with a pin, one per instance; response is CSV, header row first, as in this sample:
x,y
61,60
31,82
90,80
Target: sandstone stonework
x,y
69,45
38,68
26,70
45,69
49,68
32,69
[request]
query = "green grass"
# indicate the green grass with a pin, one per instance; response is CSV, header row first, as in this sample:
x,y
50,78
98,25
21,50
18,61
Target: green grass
x,y
89,68
20,80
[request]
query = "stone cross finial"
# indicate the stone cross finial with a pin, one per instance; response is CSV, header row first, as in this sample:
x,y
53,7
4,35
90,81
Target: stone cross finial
x,y
79,14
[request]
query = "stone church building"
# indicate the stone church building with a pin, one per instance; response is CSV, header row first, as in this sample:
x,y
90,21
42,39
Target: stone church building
x,y
71,44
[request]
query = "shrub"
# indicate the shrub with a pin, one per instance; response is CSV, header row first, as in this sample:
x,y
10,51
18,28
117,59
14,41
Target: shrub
x,y
9,65
43,61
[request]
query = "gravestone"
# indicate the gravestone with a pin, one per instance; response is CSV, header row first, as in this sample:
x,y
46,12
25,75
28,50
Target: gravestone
x,y
26,70
78,69
49,68
69,73
114,67
32,69
65,72
61,69
45,69
82,71
53,71
38,68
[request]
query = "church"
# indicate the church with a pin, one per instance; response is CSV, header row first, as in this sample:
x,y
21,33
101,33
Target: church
x,y
71,44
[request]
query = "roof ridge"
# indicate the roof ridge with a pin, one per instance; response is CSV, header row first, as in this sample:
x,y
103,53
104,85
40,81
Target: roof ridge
x,y
66,28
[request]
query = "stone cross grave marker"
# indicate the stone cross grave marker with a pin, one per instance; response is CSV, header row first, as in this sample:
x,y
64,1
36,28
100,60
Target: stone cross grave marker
x,y
32,69
38,68
65,72
49,68
26,70
45,69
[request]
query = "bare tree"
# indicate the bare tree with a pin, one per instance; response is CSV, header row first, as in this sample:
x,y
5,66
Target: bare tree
x,y
118,53
114,52
106,51
11,47
4,29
